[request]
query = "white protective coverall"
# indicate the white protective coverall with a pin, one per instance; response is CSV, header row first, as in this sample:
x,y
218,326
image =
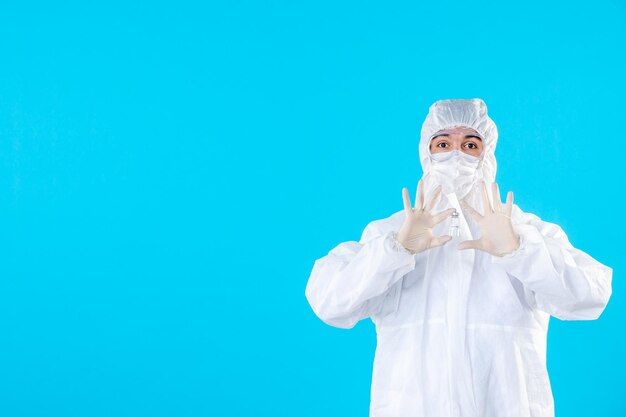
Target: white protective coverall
x,y
459,332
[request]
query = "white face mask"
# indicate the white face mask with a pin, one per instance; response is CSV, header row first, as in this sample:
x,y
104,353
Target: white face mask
x,y
456,171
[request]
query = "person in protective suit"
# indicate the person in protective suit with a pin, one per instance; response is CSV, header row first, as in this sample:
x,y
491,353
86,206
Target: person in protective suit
x,y
460,286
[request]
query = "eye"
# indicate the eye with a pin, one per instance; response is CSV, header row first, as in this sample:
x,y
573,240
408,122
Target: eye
x,y
442,143
473,145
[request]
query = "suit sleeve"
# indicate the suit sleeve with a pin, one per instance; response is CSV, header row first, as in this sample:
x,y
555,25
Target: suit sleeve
x,y
564,282
356,280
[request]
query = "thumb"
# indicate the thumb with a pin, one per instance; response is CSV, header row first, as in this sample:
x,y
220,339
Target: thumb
x,y
470,244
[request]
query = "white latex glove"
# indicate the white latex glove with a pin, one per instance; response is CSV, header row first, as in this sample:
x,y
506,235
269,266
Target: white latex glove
x,y
415,234
498,237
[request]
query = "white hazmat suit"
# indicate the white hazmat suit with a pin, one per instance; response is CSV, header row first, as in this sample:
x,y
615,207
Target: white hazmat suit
x,y
460,333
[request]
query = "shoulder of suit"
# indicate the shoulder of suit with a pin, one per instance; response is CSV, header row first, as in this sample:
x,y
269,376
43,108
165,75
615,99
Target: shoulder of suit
x,y
523,217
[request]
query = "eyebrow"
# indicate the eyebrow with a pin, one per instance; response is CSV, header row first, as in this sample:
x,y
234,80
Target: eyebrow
x,y
466,136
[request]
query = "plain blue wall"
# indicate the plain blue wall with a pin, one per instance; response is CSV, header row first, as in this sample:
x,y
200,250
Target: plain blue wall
x,y
170,172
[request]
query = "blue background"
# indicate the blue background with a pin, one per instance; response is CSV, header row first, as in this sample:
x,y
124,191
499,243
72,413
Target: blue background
x,y
170,172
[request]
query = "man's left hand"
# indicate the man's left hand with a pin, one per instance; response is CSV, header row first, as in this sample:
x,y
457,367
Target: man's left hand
x,y
497,234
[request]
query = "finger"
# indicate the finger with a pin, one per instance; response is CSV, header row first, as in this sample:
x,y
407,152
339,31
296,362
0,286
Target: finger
x,y
433,200
419,197
475,215
495,193
470,244
439,217
508,208
486,204
439,240
407,201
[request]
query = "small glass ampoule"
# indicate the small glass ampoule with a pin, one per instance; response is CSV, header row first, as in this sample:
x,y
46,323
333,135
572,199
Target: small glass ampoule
x,y
454,224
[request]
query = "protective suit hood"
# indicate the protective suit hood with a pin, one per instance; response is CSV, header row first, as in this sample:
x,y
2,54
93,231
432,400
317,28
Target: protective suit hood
x,y
445,114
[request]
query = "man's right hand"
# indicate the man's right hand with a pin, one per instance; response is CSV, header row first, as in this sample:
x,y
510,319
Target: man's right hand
x,y
416,231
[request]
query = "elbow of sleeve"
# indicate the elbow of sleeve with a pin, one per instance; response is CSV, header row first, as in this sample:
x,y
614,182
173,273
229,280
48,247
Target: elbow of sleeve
x,y
592,307
590,310
333,318
603,291
328,313
344,322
